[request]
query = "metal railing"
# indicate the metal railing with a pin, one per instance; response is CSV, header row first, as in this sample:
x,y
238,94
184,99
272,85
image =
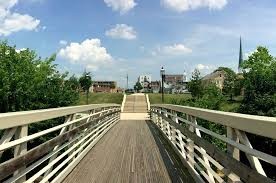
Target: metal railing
x,y
205,161
62,144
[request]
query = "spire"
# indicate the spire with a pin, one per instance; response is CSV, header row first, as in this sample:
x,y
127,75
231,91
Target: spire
x,y
240,57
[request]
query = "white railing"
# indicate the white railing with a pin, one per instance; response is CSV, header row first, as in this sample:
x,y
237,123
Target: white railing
x,y
64,144
205,161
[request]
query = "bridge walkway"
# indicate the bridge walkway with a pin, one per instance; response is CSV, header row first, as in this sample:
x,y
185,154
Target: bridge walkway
x,y
131,151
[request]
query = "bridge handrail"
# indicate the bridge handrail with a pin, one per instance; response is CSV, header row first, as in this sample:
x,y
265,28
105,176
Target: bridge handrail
x,y
13,119
80,130
259,125
204,160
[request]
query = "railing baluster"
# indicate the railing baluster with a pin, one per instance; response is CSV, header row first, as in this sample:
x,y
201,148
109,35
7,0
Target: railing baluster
x,y
233,152
254,162
190,142
7,136
21,131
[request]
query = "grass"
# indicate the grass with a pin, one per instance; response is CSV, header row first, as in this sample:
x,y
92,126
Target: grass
x,y
156,98
100,98
230,106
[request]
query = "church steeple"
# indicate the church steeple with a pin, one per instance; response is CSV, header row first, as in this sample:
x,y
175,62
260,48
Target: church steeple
x,y
240,57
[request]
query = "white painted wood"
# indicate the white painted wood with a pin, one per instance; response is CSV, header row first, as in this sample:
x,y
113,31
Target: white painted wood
x,y
39,134
123,103
259,125
70,167
254,162
236,138
14,119
40,161
265,157
148,102
20,149
7,136
88,138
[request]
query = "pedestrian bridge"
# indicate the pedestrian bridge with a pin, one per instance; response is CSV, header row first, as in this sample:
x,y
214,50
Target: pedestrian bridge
x,y
133,142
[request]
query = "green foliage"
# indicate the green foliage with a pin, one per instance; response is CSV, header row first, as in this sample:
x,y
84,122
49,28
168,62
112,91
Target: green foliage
x,y
85,81
259,84
211,99
195,85
138,86
260,97
99,98
29,82
229,81
156,98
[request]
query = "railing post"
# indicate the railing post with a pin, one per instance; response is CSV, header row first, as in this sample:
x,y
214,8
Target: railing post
x,y
173,129
190,142
233,152
21,149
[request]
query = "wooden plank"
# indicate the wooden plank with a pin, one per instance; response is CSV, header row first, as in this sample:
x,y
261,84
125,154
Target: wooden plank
x,y
127,153
246,173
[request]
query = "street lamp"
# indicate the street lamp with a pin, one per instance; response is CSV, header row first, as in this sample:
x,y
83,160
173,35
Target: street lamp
x,y
162,74
87,77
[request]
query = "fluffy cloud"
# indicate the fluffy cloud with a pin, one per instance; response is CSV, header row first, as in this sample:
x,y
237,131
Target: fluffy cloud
x,y
201,67
122,31
13,22
123,6
185,5
176,49
89,53
205,69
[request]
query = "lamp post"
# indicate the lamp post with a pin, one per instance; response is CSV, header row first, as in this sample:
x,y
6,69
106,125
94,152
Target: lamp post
x,y
87,87
162,74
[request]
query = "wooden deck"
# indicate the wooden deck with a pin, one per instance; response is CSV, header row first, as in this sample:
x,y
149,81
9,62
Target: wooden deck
x,y
127,153
132,151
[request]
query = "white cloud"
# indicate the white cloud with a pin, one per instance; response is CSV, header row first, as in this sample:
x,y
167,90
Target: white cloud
x,y
201,66
185,5
63,42
205,69
176,49
122,31
123,6
89,53
13,22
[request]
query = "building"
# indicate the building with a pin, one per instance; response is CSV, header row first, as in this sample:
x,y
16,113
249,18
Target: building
x,y
217,77
145,81
155,86
176,83
104,86
175,78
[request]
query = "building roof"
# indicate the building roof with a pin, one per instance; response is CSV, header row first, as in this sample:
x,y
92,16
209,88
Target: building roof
x,y
213,75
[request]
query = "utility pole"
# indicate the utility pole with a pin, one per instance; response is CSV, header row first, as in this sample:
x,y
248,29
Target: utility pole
x,y
127,81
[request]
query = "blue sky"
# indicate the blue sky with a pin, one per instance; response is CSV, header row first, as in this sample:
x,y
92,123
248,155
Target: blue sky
x,y
111,38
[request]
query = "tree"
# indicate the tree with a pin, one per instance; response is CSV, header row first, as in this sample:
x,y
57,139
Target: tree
x,y
195,85
259,72
85,81
138,86
229,81
28,82
259,84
